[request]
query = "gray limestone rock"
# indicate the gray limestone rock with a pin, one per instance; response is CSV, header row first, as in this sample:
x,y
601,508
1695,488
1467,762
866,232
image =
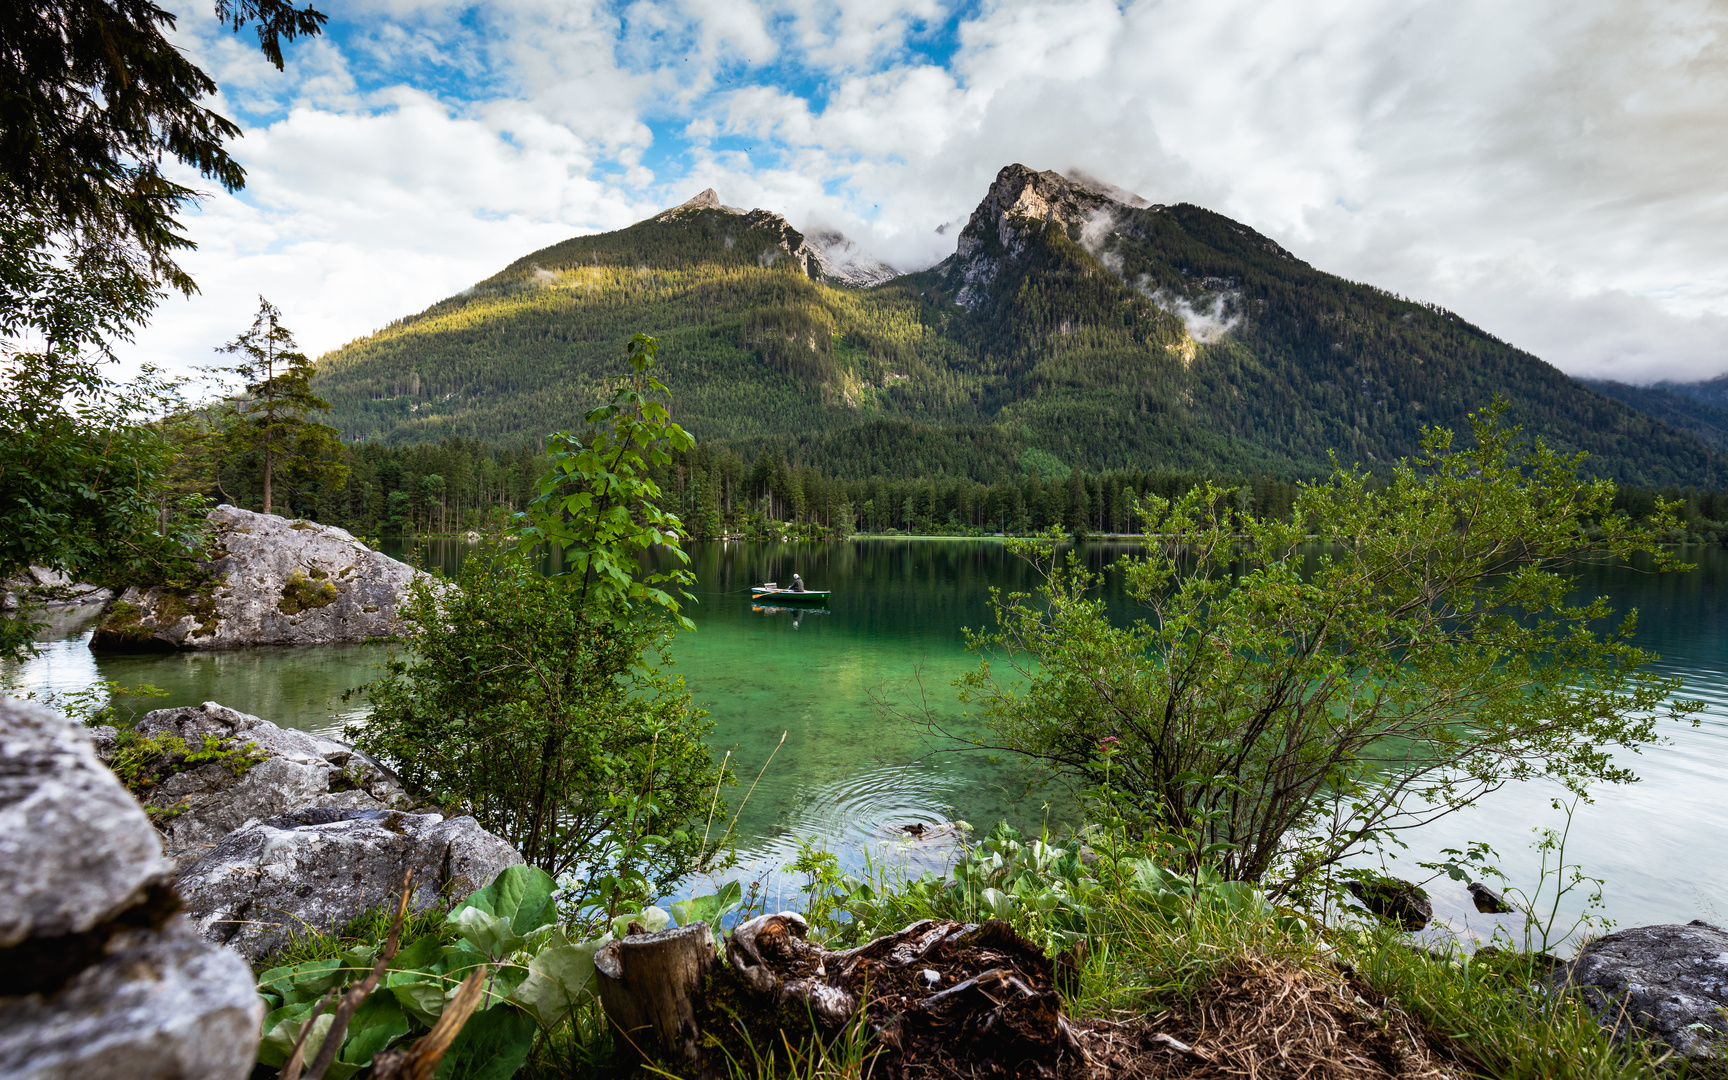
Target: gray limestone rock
x,y
319,868
299,770
160,1005
75,850
1669,981
277,582
1021,203
43,587
98,976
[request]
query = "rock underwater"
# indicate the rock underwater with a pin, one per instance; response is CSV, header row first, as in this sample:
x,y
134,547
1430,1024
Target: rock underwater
x,y
99,975
298,771
273,581
317,869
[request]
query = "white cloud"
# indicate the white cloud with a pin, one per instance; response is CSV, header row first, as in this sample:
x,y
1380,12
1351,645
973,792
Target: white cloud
x,y
1550,170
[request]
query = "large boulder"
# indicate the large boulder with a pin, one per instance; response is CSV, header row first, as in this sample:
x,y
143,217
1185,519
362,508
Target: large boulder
x,y
316,869
274,582
198,807
1670,982
99,976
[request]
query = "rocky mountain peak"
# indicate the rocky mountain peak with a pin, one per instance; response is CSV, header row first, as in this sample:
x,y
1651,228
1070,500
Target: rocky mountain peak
x,y
822,254
706,199
1047,196
1021,198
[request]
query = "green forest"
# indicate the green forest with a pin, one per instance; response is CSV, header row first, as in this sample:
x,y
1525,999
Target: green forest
x,y
459,485
1057,401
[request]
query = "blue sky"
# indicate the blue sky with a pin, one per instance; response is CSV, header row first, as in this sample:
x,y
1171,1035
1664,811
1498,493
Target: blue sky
x,y
1551,170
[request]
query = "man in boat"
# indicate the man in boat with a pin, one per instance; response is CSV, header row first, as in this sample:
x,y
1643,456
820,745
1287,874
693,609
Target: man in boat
x,y
797,583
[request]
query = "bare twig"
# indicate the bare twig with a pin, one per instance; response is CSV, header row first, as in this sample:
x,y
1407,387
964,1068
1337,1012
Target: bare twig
x,y
421,1060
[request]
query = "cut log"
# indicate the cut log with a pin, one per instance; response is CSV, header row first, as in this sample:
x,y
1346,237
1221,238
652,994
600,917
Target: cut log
x,y
649,985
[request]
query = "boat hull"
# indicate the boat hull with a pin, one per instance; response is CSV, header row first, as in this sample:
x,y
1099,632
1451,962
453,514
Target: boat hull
x,y
787,596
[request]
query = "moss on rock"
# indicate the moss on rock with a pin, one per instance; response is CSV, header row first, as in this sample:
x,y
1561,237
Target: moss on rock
x,y
301,593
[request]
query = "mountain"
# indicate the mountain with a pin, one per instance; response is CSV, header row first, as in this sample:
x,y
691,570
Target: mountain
x,y
1076,325
1688,407
1710,391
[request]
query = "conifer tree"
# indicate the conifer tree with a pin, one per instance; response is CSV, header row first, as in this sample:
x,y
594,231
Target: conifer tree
x,y
273,417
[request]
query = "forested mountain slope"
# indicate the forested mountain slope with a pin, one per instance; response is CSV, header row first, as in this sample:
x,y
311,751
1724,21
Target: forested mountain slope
x,y
1075,326
1675,406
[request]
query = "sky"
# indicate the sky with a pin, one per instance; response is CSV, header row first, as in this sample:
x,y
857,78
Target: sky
x,y
1555,171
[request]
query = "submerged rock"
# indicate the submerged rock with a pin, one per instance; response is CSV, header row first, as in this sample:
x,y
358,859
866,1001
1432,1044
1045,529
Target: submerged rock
x,y
99,975
1398,902
1670,982
1487,901
273,582
200,806
318,869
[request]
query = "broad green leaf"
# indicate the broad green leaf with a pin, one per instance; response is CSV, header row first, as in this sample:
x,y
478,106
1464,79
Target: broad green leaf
x,y
418,957
376,1023
492,1046
278,1042
490,934
276,986
651,919
422,1000
558,978
316,976
522,895
360,958
709,909
281,1028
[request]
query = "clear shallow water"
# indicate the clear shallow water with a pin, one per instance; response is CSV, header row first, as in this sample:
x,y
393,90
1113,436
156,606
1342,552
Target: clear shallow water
x,y
850,774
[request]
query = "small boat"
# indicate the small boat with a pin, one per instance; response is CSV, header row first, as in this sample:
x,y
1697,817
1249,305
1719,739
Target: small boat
x,y
772,591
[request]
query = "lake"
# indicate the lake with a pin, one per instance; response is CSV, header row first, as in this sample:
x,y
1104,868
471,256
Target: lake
x,y
853,687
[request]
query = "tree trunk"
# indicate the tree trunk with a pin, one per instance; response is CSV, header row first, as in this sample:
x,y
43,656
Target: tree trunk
x,y
649,985
268,469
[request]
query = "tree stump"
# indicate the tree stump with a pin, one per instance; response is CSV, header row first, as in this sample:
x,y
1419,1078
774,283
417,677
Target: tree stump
x,y
649,985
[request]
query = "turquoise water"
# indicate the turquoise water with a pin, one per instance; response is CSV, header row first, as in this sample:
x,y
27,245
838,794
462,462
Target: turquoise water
x,y
854,689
